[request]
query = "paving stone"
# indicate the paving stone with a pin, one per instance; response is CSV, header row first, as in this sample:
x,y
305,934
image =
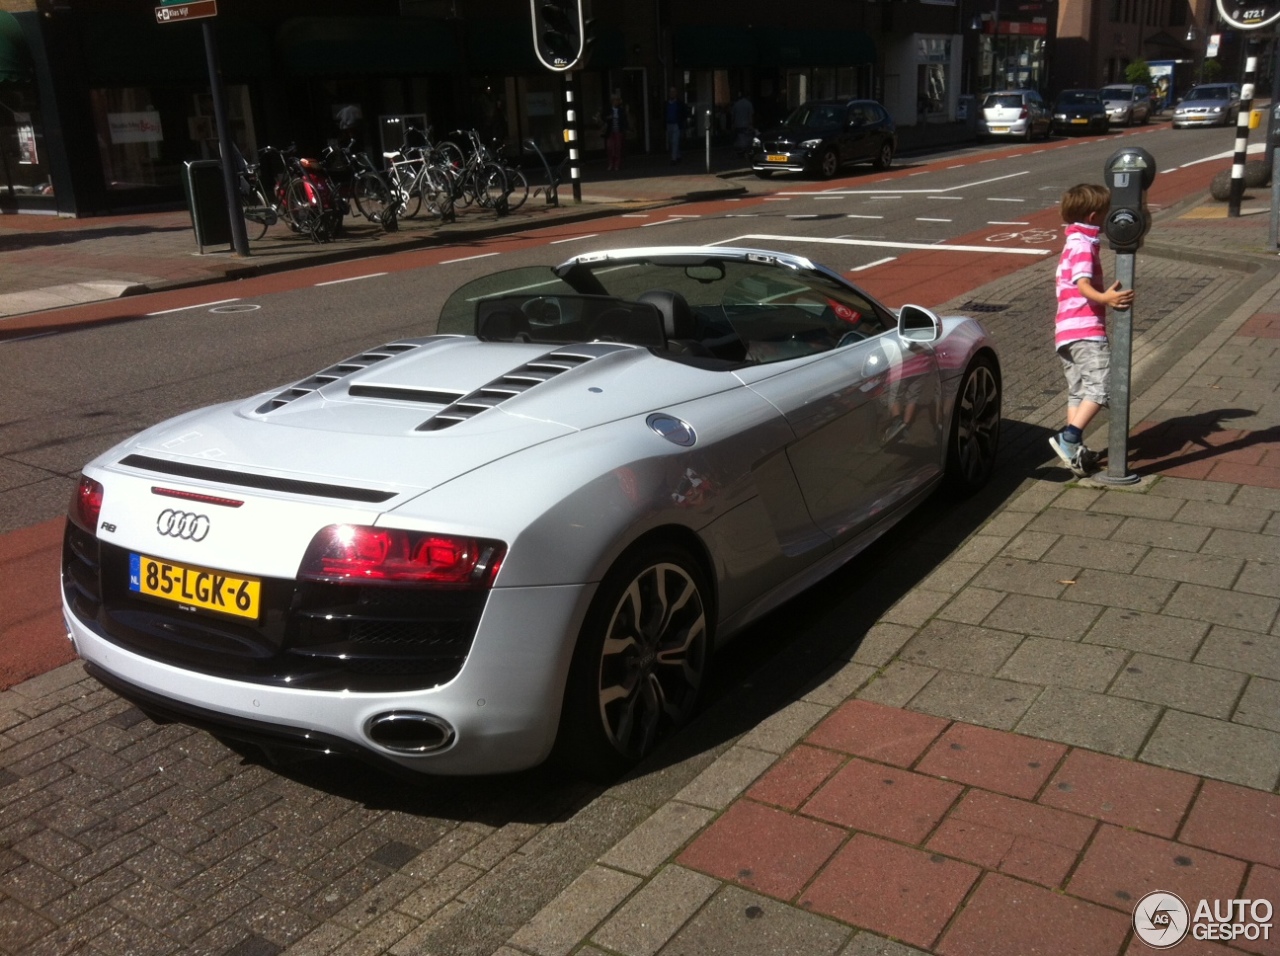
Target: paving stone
x,y
869,944
1038,578
1121,866
1260,704
1260,577
1007,917
1161,534
741,923
838,682
883,800
1119,590
886,734
1234,516
1122,792
904,893
971,605
1230,608
986,701
1139,505
1182,488
572,915
1207,569
1235,821
951,576
1030,545
1263,884
1151,633
897,684
916,607
1243,651
655,840
881,644
763,849
951,646
1042,617
1093,721
1254,497
1088,524
980,548
1042,661
1215,748
1111,556
1243,544
1196,688
732,773
780,730
994,760
656,912
794,778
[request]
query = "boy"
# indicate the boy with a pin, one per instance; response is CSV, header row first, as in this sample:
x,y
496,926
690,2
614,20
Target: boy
x,y
1080,333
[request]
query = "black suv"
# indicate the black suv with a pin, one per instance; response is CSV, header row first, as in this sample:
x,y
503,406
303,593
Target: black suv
x,y
822,136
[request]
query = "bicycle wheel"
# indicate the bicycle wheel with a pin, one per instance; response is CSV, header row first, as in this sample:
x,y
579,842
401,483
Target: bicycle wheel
x,y
373,199
452,154
437,192
257,212
517,188
489,185
303,210
408,198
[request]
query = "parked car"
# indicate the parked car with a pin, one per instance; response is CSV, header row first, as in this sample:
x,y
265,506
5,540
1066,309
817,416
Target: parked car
x,y
1080,111
1209,104
1016,114
821,137
1128,104
527,528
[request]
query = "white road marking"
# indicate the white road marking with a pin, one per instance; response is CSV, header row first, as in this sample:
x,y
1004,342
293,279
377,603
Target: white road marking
x,y
930,246
898,192
1003,199
878,262
854,215
1001,222
371,275
590,235
184,308
483,255
927,219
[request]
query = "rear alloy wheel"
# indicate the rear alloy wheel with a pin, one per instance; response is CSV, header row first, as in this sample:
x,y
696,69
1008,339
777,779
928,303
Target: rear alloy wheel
x,y
884,156
640,662
829,164
975,428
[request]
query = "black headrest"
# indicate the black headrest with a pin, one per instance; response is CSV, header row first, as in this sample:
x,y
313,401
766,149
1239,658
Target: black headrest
x,y
503,325
677,317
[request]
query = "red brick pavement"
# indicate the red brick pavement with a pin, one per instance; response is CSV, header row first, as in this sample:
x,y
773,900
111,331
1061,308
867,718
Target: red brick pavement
x,y
964,840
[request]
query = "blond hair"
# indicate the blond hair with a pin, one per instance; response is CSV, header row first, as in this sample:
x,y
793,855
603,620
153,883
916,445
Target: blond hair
x,y
1079,201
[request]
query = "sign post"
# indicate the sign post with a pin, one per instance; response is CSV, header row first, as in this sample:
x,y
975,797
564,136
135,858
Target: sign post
x,y
205,11
1250,17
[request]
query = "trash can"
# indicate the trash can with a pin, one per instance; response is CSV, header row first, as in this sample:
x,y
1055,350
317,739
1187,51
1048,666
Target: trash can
x,y
207,202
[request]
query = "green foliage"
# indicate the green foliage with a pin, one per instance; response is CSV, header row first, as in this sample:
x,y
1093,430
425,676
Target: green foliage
x,y
1138,72
1211,71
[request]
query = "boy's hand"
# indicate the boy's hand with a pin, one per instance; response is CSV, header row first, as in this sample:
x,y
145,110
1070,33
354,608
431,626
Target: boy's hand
x,y
1118,298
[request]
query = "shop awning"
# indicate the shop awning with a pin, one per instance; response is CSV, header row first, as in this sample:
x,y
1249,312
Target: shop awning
x,y
711,47
379,46
816,48
15,58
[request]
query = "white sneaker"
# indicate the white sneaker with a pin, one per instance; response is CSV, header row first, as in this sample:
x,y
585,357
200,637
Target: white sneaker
x,y
1071,453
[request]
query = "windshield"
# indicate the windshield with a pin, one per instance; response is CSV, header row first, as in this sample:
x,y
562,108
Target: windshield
x,y
1008,101
712,307
813,115
1208,93
1077,97
1117,93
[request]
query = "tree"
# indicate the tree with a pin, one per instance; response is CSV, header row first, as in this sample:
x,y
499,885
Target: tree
x,y
1211,70
1138,72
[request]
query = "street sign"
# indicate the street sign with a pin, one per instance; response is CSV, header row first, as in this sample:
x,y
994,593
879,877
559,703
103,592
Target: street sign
x,y
194,10
1249,15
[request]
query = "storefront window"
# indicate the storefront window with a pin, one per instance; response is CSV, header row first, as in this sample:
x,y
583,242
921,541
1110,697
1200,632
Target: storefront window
x,y
23,159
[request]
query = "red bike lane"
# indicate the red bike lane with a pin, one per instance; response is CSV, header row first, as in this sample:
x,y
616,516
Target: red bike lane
x,y
32,635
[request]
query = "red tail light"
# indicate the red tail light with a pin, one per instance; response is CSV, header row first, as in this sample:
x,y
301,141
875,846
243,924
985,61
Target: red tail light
x,y
86,504
1024,114
359,554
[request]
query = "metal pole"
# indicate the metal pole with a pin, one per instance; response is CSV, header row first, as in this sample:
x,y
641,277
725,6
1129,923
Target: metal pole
x,y
571,133
1242,130
1121,367
708,139
239,238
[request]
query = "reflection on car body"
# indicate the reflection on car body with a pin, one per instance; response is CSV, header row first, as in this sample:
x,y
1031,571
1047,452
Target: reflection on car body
x,y
524,531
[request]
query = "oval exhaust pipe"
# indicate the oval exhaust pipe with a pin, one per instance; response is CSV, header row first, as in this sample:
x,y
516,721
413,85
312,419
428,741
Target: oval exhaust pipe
x,y
409,732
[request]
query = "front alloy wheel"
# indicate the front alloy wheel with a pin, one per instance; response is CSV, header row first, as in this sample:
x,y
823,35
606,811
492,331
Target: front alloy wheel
x,y
640,662
884,156
829,164
975,428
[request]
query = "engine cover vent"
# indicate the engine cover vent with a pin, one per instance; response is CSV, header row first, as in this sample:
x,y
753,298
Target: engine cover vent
x,y
341,370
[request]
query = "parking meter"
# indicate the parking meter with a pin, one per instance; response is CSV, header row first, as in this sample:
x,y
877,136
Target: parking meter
x,y
1129,174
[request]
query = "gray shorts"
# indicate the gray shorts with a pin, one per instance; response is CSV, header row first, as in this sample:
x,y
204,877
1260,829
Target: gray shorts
x,y
1087,365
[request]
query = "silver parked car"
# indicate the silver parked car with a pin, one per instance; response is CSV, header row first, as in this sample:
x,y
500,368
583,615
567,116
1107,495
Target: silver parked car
x,y
1209,104
1014,114
526,530
1127,104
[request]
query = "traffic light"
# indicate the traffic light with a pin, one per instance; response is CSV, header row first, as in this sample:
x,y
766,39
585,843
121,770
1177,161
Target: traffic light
x,y
558,33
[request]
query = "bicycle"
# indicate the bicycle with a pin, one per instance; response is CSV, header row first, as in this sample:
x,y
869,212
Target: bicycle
x,y
478,178
256,205
421,174
304,194
358,181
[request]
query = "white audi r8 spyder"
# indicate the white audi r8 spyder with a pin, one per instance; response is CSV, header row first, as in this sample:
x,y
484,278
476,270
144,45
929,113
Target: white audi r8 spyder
x,y
526,532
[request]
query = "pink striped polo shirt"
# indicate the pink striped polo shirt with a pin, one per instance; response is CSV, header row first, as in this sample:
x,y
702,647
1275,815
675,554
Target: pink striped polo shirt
x,y
1078,318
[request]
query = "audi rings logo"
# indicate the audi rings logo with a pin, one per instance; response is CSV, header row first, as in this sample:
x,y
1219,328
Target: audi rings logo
x,y
183,524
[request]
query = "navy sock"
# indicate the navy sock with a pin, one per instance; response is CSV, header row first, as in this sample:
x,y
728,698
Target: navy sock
x,y
1072,434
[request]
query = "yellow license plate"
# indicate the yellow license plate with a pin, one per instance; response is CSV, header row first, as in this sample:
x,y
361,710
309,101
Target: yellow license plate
x,y
776,159
1080,121
196,587
999,129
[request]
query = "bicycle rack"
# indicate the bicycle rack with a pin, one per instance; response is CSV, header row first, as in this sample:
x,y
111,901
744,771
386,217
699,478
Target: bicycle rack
x,y
553,182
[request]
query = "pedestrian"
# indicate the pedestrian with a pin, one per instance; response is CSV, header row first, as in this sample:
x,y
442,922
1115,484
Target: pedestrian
x,y
614,129
744,123
674,115
1080,330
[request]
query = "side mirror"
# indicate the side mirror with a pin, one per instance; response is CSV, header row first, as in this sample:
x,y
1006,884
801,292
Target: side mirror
x,y
918,324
